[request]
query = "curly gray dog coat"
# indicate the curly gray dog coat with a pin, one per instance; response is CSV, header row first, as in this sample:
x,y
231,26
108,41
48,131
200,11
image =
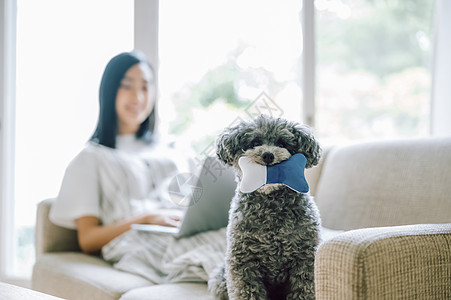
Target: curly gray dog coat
x,y
272,234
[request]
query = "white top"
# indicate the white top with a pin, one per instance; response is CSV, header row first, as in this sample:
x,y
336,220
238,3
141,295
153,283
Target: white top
x,y
113,184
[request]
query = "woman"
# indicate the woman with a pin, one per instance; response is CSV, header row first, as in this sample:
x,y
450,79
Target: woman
x,y
116,180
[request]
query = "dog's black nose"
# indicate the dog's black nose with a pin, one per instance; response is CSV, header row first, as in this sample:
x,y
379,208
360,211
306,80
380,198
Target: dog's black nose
x,y
268,157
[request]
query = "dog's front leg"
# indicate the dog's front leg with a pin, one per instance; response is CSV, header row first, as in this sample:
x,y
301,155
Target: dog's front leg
x,y
302,285
242,270
244,282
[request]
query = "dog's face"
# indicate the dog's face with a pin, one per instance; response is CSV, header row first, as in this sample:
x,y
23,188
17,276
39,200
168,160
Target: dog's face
x,y
267,141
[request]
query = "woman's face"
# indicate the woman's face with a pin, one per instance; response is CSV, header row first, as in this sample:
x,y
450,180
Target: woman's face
x,y
135,98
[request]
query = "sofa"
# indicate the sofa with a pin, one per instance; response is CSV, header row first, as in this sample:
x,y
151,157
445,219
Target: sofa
x,y
391,199
14,292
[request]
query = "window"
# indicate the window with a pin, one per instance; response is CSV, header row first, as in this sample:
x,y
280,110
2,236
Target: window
x,y
226,62
373,61
62,49
373,68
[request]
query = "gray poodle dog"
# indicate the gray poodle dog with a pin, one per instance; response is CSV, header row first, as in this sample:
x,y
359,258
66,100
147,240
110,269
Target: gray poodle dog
x,y
273,232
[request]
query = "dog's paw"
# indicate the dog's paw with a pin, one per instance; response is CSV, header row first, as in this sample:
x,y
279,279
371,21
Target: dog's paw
x,y
217,285
268,188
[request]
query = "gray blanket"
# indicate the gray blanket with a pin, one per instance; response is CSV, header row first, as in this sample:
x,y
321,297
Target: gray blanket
x,y
161,258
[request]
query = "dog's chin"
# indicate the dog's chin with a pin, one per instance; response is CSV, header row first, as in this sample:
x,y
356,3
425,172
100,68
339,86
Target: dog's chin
x,y
268,188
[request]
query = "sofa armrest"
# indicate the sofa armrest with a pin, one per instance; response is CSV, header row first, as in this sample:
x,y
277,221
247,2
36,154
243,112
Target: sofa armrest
x,y
9,291
50,237
401,262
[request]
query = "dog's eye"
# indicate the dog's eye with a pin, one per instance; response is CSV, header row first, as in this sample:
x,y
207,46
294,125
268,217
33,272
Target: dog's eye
x,y
280,143
256,143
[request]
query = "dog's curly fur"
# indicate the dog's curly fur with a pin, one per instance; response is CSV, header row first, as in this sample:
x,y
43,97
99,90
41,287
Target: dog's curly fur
x,y
272,233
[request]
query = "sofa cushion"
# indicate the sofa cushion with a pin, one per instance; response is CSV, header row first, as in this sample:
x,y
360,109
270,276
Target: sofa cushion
x,y
386,183
79,276
195,291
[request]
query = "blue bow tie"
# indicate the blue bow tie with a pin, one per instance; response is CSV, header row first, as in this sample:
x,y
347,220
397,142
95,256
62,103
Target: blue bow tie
x,y
290,172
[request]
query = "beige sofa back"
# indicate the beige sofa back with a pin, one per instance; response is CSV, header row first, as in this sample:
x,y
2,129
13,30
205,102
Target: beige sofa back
x,y
364,185
386,183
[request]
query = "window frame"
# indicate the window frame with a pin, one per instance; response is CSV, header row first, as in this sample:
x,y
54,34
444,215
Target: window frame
x,y
440,104
146,31
308,62
7,137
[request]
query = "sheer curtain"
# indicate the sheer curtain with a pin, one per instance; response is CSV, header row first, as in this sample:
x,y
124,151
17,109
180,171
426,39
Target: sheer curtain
x,y
441,72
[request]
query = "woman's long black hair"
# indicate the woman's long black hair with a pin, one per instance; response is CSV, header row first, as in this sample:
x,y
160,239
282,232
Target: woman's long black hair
x,y
107,124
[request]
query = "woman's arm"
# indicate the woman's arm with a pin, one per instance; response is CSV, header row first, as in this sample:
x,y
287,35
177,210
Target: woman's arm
x,y
92,236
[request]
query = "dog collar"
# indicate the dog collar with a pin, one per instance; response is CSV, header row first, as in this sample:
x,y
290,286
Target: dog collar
x,y
290,172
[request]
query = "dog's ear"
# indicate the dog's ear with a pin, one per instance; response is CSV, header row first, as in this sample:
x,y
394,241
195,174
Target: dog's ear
x,y
229,145
222,148
307,144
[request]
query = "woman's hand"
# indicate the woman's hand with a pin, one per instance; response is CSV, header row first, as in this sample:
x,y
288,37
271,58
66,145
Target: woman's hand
x,y
164,217
92,236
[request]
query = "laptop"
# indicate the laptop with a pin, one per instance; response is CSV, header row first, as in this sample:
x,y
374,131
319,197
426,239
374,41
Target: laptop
x,y
207,195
